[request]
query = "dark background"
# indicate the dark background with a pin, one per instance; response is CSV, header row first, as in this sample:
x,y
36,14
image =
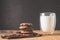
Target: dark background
x,y
14,12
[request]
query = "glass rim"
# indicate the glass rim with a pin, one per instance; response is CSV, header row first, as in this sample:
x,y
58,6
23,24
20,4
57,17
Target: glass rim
x,y
47,12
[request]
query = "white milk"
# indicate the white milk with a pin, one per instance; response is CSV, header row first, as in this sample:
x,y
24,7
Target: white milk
x,y
47,23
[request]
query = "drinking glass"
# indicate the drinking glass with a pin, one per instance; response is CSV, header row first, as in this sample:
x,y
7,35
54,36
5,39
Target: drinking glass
x,y
48,22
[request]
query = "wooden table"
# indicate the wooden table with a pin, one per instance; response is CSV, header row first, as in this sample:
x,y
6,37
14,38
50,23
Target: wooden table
x,y
56,36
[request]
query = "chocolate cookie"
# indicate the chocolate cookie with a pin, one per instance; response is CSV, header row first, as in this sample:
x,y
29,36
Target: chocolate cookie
x,y
25,27
27,34
26,24
11,35
26,31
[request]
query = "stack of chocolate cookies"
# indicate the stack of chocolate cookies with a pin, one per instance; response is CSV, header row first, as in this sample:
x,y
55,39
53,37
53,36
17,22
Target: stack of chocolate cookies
x,y
26,29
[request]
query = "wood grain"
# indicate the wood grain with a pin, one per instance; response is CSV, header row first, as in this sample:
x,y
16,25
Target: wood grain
x,y
55,36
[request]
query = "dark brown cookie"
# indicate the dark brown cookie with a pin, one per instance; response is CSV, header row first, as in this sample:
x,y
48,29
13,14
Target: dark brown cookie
x,y
27,35
25,27
17,35
26,31
26,24
6,35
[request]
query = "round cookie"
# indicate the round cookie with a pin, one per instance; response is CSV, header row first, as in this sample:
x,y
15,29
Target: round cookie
x,y
26,24
27,35
25,27
25,31
17,35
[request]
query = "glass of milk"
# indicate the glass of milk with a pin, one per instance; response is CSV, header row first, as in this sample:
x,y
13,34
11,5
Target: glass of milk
x,y
48,22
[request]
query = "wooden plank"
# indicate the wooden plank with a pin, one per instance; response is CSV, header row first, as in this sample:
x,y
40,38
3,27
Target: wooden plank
x,y
56,36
